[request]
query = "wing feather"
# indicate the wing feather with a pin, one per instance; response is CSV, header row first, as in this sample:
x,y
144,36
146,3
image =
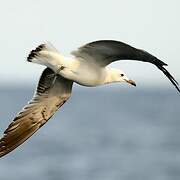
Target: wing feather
x,y
105,52
49,97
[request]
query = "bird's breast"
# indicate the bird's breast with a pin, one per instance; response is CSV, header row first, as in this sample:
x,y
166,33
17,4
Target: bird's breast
x,y
89,75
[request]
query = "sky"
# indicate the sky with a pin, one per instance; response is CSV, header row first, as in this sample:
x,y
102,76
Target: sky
x,y
147,24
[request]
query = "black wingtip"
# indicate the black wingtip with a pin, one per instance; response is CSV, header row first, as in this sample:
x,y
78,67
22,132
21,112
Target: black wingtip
x,y
147,57
169,76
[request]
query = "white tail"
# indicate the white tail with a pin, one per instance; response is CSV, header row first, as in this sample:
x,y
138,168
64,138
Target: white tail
x,y
45,54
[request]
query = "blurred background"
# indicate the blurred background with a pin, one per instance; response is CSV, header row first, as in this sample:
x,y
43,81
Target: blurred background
x,y
110,132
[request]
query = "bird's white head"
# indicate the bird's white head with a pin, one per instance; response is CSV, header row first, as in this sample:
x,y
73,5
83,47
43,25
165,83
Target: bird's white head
x,y
117,75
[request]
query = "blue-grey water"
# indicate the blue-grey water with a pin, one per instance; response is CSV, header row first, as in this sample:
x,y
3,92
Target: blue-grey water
x,y
99,134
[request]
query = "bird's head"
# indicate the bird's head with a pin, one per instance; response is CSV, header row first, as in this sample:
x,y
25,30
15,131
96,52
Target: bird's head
x,y
117,75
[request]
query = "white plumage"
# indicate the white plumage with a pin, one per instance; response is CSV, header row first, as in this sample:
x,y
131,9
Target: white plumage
x,y
88,67
82,71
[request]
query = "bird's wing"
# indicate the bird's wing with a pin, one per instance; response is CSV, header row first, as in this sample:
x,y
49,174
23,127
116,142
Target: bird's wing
x,y
105,52
52,92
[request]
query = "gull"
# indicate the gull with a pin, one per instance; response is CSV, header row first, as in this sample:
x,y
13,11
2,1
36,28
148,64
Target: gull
x,y
88,67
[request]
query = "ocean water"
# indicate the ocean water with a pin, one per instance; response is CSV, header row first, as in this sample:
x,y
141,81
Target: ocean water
x,y
99,134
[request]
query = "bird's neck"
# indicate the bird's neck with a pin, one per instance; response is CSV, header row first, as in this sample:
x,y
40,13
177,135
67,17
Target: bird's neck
x,y
112,75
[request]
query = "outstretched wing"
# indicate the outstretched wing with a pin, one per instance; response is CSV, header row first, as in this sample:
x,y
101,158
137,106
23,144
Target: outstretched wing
x,y
52,92
105,52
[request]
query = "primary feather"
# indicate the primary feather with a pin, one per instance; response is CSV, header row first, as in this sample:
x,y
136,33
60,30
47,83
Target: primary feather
x,y
104,52
51,94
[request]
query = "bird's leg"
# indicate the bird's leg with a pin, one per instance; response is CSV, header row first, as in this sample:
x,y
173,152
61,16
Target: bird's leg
x,y
60,68
56,73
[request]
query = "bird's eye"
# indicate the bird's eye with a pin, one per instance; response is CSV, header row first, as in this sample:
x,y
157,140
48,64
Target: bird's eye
x,y
121,75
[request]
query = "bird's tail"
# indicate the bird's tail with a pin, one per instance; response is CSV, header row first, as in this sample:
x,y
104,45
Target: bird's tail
x,y
45,54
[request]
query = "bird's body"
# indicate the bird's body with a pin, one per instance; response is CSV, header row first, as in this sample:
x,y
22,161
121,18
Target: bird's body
x,y
87,67
86,74
77,69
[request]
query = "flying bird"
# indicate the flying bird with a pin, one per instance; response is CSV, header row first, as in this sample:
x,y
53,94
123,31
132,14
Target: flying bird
x,y
88,67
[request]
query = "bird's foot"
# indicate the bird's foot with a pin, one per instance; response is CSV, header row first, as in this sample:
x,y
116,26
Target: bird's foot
x,y
60,68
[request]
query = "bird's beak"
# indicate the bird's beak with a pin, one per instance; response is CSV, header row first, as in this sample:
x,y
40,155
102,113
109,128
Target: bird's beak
x,y
131,82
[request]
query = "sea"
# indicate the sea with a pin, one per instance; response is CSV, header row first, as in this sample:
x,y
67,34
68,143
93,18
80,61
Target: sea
x,y
103,133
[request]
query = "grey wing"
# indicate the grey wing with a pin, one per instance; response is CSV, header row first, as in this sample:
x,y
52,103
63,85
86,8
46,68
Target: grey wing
x,y
104,52
50,95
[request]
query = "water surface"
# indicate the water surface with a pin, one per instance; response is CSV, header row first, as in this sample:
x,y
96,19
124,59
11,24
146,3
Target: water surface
x,y
98,134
